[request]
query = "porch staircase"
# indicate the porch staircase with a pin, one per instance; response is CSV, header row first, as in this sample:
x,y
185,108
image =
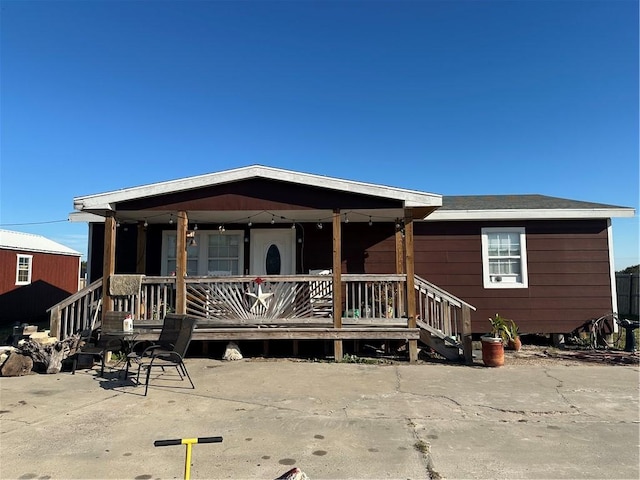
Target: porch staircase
x,y
440,318
449,347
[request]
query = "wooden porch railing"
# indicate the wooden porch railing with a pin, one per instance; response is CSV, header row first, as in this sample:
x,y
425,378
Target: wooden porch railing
x,y
375,298
368,301
243,300
82,310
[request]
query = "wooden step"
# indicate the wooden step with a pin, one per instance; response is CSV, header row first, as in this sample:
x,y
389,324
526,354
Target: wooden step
x,y
446,346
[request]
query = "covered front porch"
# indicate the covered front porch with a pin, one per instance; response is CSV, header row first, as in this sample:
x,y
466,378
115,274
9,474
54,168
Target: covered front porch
x,y
259,253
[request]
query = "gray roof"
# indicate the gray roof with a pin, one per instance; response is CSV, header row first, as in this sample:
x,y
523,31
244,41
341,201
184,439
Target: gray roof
x,y
519,202
522,207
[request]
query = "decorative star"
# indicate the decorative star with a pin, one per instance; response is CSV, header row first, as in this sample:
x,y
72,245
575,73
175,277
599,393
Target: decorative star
x,y
260,296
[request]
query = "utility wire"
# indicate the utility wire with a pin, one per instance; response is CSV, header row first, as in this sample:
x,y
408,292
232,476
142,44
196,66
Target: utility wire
x,y
30,223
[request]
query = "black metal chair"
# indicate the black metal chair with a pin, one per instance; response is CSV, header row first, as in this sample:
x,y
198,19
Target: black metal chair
x,y
169,351
106,341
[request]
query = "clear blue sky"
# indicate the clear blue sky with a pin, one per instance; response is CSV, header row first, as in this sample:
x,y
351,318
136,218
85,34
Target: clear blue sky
x,y
450,97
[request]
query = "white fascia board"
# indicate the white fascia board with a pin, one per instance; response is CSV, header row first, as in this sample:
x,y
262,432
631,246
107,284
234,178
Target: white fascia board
x,y
533,214
85,217
612,274
105,201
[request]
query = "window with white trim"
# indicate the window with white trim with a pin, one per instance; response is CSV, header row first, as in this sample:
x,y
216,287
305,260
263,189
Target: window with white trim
x,y
23,269
504,257
215,253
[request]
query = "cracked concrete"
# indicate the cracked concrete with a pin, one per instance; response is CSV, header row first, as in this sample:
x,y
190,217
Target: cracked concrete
x,y
331,420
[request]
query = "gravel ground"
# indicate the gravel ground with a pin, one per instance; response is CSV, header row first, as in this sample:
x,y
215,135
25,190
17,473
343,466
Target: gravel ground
x,y
546,355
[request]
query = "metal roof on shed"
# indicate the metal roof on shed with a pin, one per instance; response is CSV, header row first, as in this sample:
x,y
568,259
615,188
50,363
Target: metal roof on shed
x,y
29,242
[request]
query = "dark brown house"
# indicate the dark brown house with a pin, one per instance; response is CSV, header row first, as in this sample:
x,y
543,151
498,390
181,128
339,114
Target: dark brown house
x,y
257,245
36,273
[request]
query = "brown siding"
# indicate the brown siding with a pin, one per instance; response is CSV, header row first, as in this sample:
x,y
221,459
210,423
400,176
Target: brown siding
x,y
53,278
568,272
259,194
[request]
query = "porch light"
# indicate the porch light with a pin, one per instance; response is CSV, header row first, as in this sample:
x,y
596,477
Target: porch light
x,y
191,235
273,220
250,224
319,225
171,219
195,227
221,229
293,225
146,224
370,221
346,219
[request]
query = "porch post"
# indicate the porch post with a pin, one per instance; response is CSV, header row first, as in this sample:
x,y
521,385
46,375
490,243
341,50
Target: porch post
x,y
410,269
108,260
400,269
141,249
337,282
467,346
181,263
399,252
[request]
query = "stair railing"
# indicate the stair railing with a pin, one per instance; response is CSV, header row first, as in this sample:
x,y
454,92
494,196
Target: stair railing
x,y
444,312
77,312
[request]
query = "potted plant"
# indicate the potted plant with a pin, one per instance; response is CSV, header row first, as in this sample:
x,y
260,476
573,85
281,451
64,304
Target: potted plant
x,y
493,342
513,337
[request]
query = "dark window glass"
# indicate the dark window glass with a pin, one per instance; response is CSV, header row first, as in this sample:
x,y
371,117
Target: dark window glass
x,y
273,262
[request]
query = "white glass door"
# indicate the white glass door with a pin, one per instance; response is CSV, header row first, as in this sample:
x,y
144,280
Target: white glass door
x,y
273,251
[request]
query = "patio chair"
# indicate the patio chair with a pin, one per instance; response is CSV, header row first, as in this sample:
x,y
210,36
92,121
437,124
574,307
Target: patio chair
x,y
106,341
167,353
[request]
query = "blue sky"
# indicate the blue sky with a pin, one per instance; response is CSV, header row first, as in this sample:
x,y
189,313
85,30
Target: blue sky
x,y
450,97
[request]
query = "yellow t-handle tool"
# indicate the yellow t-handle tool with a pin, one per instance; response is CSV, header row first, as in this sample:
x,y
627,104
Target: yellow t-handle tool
x,y
188,442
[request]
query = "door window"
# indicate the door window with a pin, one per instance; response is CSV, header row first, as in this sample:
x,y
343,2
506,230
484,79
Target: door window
x,y
273,260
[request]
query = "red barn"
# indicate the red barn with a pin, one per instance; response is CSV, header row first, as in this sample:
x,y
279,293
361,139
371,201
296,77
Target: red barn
x,y
36,273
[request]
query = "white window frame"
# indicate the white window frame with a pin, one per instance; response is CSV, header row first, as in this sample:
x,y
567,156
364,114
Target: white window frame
x,y
489,280
29,259
202,241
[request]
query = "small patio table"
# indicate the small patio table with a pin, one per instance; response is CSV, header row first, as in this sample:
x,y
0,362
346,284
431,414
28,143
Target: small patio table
x,y
128,338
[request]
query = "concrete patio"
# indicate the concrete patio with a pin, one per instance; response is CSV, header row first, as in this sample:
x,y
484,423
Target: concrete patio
x,y
333,421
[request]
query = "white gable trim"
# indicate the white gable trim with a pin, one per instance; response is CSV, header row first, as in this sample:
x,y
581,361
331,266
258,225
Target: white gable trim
x,y
105,201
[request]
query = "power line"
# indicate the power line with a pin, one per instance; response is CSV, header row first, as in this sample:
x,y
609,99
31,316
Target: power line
x,y
30,223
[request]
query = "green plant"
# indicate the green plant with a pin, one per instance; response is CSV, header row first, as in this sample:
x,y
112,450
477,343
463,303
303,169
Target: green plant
x,y
512,329
503,328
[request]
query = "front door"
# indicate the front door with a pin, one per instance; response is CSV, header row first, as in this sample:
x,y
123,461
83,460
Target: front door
x,y
273,251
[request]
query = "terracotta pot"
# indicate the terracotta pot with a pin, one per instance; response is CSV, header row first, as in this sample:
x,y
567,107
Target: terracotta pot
x,y
492,351
515,344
